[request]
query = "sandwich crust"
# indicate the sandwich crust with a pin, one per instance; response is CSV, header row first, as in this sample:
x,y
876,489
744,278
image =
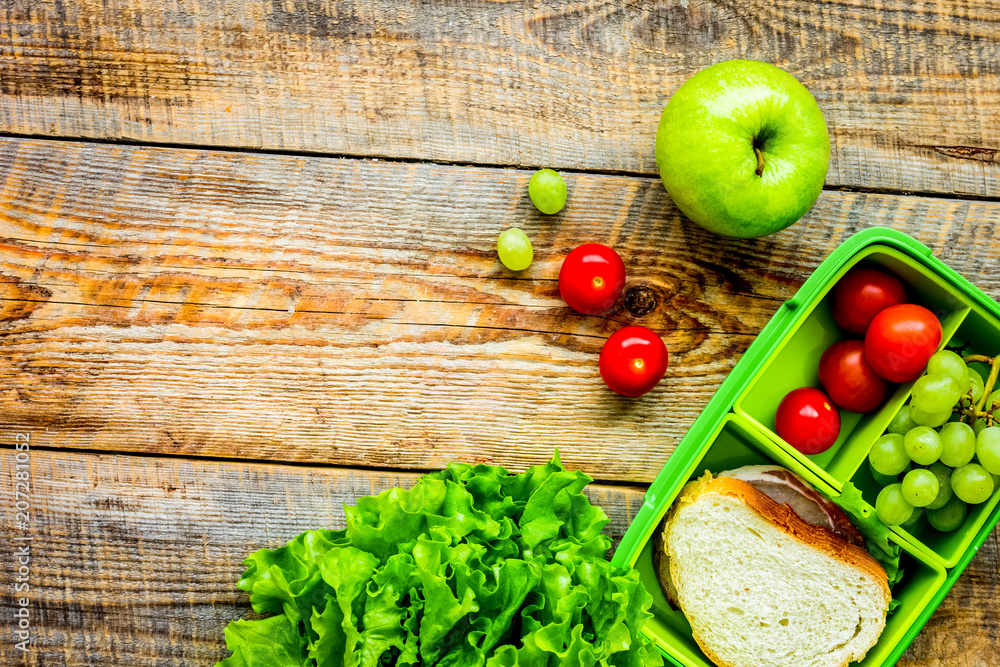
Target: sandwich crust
x,y
785,519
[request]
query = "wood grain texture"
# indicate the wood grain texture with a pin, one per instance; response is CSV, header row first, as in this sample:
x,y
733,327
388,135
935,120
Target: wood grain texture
x,y
911,90
134,560
353,312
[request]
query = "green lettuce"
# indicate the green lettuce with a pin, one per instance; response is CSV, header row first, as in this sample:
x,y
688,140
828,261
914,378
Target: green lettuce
x,y
472,567
876,534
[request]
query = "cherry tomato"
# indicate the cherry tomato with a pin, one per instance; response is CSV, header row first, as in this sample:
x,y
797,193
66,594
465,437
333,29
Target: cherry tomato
x,y
861,295
807,420
632,361
901,340
850,381
592,278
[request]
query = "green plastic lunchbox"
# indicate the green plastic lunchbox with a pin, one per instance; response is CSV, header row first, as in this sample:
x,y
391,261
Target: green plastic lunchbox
x,y
737,428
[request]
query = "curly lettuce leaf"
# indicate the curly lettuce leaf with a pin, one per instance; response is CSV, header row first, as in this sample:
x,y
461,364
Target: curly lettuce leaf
x,y
271,642
473,566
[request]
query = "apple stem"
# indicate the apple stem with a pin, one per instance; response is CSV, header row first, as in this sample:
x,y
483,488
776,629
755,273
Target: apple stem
x,y
760,161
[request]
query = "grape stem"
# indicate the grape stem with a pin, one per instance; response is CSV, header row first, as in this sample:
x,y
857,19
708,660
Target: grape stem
x,y
975,411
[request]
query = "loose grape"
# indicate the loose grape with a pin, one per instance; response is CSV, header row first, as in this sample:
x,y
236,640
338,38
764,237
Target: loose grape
x,y
880,479
988,449
902,422
932,419
514,249
547,190
923,445
936,392
888,455
951,364
958,444
977,385
920,487
972,483
949,517
943,474
890,506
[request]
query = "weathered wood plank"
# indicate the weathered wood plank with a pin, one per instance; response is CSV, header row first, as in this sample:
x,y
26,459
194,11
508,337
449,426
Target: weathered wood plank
x,y
346,311
911,91
134,560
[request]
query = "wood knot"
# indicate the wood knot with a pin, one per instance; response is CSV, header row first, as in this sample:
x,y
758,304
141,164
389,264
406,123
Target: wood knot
x,y
640,300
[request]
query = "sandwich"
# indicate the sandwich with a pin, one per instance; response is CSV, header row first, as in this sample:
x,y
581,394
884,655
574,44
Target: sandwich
x,y
769,573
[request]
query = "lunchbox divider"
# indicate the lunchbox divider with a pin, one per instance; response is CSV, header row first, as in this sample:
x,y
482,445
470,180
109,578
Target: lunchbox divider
x,y
873,426
863,480
859,432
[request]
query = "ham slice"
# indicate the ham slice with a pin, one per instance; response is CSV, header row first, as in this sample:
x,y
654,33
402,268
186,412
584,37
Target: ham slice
x,y
785,487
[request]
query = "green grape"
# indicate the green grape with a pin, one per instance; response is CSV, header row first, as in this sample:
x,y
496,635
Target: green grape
x,y
958,442
880,479
936,392
979,426
948,517
977,384
972,483
920,487
994,398
514,249
932,419
888,455
923,445
910,524
902,422
943,474
547,190
988,449
951,364
890,506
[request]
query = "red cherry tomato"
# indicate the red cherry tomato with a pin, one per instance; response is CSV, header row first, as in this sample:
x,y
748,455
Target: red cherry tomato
x,y
592,278
632,361
901,340
807,420
850,381
861,295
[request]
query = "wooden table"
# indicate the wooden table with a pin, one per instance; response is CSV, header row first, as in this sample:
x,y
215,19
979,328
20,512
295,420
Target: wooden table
x,y
249,272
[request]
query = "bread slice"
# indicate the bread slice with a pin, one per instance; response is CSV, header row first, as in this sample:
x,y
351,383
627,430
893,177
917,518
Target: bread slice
x,y
763,588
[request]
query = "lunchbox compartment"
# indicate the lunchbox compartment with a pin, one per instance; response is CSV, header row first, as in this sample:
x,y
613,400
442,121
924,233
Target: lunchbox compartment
x,y
737,428
979,334
794,363
736,443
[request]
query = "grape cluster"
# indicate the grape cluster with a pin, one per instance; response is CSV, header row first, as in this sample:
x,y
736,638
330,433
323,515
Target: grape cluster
x,y
948,430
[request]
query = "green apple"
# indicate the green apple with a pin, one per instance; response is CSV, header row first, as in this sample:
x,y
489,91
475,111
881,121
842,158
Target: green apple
x,y
743,149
